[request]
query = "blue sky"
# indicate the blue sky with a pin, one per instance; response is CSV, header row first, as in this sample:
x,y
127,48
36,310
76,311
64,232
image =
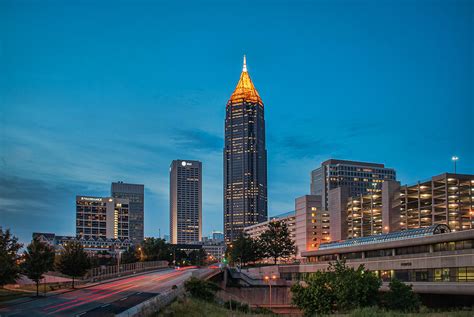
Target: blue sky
x,y
94,93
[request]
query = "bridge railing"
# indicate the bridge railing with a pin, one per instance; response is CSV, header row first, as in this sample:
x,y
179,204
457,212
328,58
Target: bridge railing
x,y
105,272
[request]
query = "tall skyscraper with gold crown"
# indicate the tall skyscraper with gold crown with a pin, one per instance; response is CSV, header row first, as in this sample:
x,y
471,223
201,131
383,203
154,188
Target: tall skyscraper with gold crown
x,y
245,159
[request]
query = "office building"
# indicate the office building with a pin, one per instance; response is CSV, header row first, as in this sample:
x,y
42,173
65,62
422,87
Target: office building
x,y
289,218
245,159
185,202
433,259
90,245
102,217
135,193
360,177
312,223
217,236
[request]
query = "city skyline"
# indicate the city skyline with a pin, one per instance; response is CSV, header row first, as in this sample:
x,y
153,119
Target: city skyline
x,y
138,104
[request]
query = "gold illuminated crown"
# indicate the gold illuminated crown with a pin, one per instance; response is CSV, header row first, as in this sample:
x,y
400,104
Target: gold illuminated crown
x,y
245,90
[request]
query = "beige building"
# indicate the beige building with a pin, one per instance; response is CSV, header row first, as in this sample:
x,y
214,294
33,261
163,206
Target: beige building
x,y
444,199
256,230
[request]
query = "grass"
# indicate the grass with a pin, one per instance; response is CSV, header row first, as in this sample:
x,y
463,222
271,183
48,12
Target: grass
x,y
7,295
377,312
191,307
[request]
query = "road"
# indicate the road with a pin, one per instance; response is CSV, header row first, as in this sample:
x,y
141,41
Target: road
x,y
102,299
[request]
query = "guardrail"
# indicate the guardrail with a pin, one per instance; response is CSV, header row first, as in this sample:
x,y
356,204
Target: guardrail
x,y
106,272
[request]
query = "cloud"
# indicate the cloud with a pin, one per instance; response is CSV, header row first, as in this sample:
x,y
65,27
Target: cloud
x,y
199,140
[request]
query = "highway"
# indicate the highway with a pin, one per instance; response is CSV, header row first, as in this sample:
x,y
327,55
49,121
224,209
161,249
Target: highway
x,y
105,299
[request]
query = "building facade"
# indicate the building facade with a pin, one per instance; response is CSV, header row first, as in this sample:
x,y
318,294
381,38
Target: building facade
x,y
135,193
360,177
90,245
245,159
289,218
443,199
185,202
312,223
102,217
434,260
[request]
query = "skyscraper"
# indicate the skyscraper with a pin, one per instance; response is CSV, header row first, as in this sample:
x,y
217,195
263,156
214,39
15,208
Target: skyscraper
x,y
359,177
245,159
102,217
185,201
135,194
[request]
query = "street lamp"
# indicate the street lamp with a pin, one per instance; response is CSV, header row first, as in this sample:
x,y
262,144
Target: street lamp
x,y
454,159
268,279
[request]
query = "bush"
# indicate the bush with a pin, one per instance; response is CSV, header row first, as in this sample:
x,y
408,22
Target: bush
x,y
340,288
235,305
400,297
201,289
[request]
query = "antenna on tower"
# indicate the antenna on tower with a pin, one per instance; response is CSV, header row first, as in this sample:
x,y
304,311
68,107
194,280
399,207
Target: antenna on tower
x,y
244,69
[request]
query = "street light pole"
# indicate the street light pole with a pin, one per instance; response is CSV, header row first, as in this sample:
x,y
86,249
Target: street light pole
x,y
455,159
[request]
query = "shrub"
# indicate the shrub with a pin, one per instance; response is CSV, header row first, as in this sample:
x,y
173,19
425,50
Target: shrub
x,y
201,289
400,297
340,288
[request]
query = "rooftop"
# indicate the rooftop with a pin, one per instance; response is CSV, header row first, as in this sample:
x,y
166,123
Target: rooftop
x,y
245,90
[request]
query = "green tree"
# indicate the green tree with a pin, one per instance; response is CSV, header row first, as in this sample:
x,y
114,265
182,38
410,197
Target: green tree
x,y
276,241
38,259
339,288
244,249
131,255
197,257
155,249
401,297
201,289
9,247
74,261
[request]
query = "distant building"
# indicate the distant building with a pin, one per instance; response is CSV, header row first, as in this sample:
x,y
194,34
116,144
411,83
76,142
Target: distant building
x,y
245,159
90,245
216,250
102,217
135,193
288,218
217,236
166,237
360,177
185,201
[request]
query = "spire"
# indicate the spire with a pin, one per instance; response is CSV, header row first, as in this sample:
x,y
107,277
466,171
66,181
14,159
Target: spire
x,y
245,90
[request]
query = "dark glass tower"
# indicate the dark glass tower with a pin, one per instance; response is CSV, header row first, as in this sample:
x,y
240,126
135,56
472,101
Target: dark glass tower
x,y
245,159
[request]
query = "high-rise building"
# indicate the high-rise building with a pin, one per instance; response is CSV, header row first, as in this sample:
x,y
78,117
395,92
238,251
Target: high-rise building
x,y
135,193
102,217
185,201
245,159
360,177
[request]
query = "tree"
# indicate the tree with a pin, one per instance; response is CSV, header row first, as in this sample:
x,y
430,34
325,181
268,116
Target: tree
x,y
131,255
38,259
244,249
74,262
9,247
197,257
201,289
339,288
401,297
276,241
156,249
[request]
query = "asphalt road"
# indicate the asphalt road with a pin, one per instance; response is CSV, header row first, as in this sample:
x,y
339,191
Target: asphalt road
x,y
105,299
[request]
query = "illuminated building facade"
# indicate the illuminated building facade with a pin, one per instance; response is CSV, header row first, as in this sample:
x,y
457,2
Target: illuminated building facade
x,y
359,177
312,223
185,202
245,159
135,193
102,217
444,199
